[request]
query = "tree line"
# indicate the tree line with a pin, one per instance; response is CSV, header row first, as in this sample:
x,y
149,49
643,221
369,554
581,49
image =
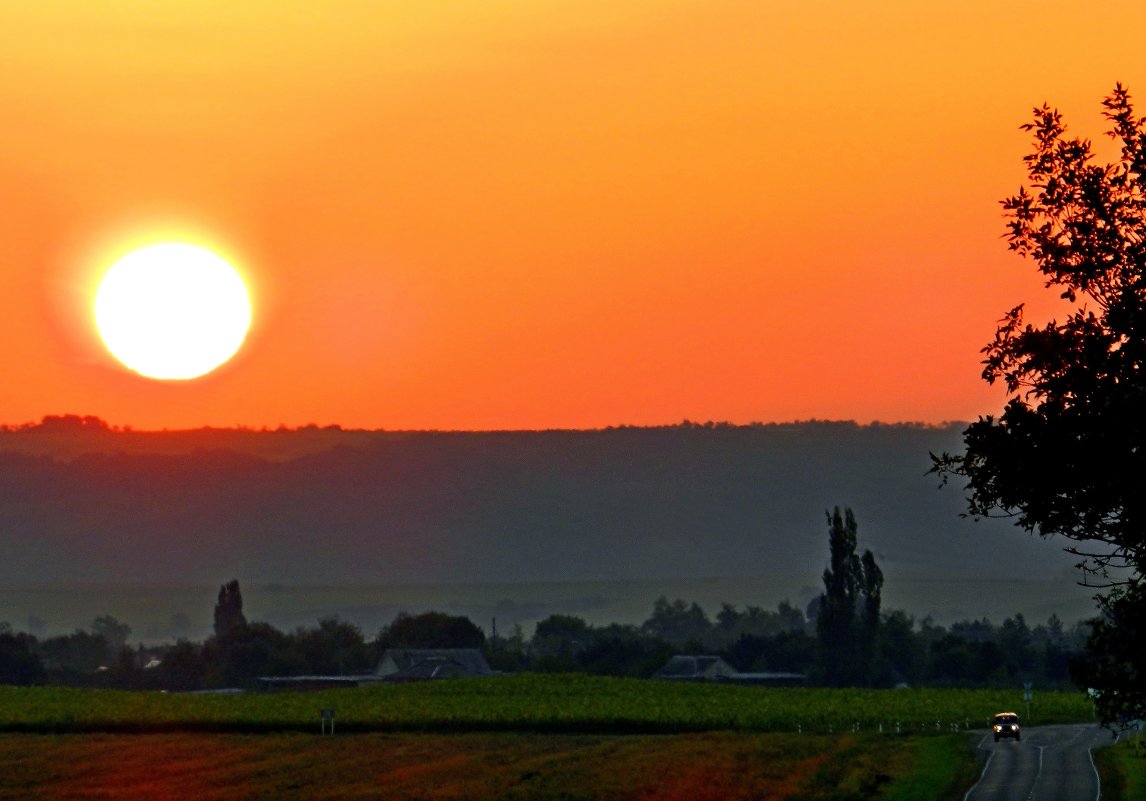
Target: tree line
x,y
842,638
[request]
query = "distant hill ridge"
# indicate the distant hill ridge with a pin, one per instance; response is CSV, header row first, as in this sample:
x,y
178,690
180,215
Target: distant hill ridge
x,y
65,436
81,501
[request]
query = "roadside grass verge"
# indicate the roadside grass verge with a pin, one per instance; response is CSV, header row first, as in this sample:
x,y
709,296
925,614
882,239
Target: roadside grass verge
x,y
529,703
942,768
1122,770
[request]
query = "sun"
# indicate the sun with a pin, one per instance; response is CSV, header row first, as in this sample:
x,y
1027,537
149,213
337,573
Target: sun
x,y
172,311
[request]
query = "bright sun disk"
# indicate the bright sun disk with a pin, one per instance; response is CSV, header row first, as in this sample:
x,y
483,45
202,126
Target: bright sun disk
x,y
172,311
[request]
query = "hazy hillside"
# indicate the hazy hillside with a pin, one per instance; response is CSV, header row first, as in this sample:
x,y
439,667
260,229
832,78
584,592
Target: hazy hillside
x,y
492,507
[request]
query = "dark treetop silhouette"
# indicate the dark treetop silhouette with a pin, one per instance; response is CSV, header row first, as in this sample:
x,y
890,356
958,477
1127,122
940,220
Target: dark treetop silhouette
x,y
1066,456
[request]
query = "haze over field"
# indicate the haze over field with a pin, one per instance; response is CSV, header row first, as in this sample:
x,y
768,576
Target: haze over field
x,y
597,523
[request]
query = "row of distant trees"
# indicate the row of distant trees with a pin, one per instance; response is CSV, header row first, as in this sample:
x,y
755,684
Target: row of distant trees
x,y
843,638
896,649
971,653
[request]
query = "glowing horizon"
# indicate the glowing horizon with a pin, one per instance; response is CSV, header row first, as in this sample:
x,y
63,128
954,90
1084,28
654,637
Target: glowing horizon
x,y
527,215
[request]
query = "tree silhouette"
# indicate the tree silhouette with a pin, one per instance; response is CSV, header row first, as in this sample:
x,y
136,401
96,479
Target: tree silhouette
x,y
229,609
430,630
1115,667
112,630
848,620
871,595
19,663
1066,456
677,622
335,648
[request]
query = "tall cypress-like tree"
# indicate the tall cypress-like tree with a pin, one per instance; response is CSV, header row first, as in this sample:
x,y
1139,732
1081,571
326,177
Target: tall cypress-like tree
x,y
848,622
229,608
871,590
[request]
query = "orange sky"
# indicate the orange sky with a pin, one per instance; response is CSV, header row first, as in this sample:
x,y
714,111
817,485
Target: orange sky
x,y
536,214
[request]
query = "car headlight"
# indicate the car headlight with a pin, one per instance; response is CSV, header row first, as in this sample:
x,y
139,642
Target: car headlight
x,y
998,727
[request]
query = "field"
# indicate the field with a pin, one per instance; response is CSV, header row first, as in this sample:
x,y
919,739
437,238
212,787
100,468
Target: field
x,y
532,703
713,766
1123,769
508,737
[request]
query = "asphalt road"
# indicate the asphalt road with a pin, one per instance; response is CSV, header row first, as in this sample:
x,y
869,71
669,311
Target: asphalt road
x,y
1050,763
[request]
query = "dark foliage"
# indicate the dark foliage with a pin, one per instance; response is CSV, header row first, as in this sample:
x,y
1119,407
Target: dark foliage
x,y
1067,454
247,651
623,651
849,612
229,609
677,622
558,643
76,657
114,632
335,648
19,663
1115,664
183,667
967,654
786,652
565,644
431,630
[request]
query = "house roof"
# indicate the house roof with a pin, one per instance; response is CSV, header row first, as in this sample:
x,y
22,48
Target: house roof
x,y
693,667
432,663
713,668
315,682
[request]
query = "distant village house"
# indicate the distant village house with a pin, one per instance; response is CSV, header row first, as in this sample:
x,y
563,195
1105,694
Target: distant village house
x,y
396,665
713,668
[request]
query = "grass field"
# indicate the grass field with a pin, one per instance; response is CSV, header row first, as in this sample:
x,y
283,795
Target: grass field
x,y
1123,770
403,767
531,703
508,737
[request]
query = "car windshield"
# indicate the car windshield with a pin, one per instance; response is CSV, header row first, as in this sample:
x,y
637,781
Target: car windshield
x,y
1006,719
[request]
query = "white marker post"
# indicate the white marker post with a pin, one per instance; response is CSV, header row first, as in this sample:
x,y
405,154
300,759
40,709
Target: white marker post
x,y
327,714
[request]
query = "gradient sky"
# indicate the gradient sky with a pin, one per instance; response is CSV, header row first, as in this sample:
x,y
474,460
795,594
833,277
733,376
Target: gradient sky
x,y
534,214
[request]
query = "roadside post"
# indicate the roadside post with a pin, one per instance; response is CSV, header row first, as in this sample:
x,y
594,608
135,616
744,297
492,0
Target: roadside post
x,y
1027,695
327,715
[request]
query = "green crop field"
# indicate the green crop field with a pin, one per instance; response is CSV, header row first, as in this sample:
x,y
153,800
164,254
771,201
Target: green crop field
x,y
535,737
533,703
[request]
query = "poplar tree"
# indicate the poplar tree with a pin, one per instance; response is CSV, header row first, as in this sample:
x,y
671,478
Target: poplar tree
x,y
229,609
848,621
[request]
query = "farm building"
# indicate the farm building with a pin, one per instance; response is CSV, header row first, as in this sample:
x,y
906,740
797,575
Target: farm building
x,y
414,664
695,668
397,664
713,668
314,682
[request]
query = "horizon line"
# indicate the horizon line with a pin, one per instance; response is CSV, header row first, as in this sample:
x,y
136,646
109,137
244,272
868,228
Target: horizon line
x,y
75,423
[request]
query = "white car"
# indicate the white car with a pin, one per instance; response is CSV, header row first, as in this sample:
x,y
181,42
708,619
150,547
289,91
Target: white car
x,y
1007,725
